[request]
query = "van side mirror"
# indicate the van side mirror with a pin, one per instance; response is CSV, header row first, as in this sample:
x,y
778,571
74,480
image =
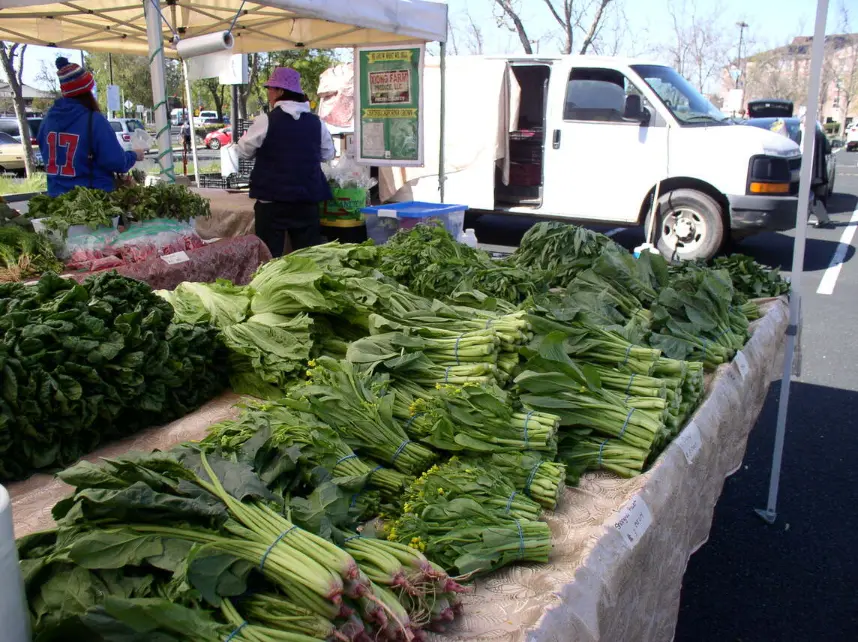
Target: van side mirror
x,y
634,110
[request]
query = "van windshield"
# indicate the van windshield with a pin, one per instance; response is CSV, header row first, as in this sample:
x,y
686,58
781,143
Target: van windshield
x,y
686,104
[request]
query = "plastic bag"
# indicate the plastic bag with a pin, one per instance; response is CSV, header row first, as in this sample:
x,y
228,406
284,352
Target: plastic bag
x,y
141,140
151,239
81,250
347,174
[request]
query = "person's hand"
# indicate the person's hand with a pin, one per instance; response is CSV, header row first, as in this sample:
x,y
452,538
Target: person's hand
x,y
140,154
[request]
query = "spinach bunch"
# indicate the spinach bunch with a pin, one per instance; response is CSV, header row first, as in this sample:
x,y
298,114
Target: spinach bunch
x,y
162,200
80,206
83,363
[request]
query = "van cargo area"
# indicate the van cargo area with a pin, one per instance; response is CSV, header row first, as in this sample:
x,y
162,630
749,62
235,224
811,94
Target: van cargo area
x,y
527,142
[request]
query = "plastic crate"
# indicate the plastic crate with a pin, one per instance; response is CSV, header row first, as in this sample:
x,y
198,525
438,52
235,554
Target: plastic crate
x,y
384,221
525,174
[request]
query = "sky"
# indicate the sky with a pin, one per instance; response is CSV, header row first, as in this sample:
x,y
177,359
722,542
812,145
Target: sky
x,y
771,23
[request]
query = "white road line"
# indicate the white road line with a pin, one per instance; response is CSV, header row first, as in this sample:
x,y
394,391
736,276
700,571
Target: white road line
x,y
616,230
829,279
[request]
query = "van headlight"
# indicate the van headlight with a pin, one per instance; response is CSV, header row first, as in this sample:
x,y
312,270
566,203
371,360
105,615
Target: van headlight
x,y
768,175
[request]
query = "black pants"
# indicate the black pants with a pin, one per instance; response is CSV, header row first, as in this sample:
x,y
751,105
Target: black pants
x,y
301,220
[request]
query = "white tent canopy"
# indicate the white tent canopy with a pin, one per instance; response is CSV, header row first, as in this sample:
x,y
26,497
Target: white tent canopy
x,y
151,27
118,26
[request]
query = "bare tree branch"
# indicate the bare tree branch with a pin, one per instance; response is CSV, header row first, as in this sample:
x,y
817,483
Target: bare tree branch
x,y
594,26
554,12
518,25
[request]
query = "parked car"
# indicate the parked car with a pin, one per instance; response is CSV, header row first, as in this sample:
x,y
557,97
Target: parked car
x,y
218,138
9,125
852,139
11,154
124,127
824,162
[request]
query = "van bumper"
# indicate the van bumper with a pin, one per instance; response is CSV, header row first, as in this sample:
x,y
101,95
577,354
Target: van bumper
x,y
762,213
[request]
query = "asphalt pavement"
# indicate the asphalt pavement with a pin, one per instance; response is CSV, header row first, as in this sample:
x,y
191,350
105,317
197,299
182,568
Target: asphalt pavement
x,y
795,580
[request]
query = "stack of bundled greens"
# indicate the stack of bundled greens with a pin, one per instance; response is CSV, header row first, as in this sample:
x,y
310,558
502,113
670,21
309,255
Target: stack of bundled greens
x,y
80,206
750,279
359,406
694,319
188,546
465,536
559,251
24,254
431,263
83,363
293,452
530,473
161,200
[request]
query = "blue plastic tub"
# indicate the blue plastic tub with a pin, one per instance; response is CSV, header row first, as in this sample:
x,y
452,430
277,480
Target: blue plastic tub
x,y
384,221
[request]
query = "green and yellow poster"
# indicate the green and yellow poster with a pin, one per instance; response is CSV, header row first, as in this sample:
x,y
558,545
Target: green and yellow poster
x,y
389,102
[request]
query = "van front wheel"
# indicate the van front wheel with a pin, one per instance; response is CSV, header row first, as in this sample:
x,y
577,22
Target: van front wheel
x,y
690,225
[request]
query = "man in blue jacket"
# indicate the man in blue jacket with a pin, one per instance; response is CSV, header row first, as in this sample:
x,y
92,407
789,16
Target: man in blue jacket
x,y
78,145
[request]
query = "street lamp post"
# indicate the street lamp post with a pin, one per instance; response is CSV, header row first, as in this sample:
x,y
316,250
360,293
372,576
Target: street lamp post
x,y
742,26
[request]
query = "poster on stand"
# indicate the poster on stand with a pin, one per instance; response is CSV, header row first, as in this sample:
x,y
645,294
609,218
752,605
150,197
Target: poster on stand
x,y
389,105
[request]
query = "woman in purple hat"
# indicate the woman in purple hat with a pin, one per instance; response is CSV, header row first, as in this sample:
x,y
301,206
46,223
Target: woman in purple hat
x,y
289,145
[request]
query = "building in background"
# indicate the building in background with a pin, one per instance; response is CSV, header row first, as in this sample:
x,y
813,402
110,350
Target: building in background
x,y
30,94
783,73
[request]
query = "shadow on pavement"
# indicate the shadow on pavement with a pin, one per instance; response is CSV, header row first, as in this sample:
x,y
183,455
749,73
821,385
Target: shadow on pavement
x,y
776,250
839,203
793,580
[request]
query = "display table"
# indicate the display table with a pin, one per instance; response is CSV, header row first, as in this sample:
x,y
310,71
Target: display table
x,y
232,214
597,585
235,259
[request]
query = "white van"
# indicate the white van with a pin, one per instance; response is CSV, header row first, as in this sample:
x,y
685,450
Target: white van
x,y
590,139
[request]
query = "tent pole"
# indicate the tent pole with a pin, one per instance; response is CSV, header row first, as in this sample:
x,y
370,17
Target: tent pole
x,y
441,175
193,127
769,514
159,89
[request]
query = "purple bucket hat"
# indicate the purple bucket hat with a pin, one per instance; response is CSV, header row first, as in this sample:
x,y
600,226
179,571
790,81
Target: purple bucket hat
x,y
285,78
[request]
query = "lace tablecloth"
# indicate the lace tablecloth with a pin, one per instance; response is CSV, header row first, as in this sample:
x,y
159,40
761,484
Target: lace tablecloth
x,y
595,587
235,259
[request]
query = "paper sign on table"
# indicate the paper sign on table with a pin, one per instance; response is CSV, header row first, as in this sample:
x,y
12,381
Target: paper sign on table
x,y
176,257
689,441
633,520
742,361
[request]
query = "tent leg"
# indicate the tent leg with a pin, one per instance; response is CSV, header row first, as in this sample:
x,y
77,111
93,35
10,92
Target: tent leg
x,y
159,89
769,514
191,119
441,165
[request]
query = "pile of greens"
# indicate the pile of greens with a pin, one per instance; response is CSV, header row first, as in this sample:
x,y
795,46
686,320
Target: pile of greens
x,y
84,363
192,546
161,200
80,206
24,254
750,279
431,263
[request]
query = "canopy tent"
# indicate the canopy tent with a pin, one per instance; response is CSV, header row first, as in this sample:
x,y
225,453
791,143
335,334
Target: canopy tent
x,y
152,27
118,26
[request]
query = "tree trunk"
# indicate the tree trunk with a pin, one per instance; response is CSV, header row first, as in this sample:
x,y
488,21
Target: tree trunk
x,y
7,59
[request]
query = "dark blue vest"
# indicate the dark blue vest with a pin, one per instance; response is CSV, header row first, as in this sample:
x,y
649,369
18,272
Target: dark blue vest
x,y
288,164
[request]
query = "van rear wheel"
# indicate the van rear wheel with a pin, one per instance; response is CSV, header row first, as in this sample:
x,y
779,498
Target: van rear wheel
x,y
690,225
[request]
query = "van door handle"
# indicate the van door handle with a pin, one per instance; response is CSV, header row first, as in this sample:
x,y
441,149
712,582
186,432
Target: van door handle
x,y
556,140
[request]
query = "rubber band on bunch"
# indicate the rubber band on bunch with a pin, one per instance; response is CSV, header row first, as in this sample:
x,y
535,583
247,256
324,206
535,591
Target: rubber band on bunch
x,y
345,458
412,418
626,423
509,501
531,477
628,353
273,544
520,540
235,633
601,448
456,348
399,450
526,421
